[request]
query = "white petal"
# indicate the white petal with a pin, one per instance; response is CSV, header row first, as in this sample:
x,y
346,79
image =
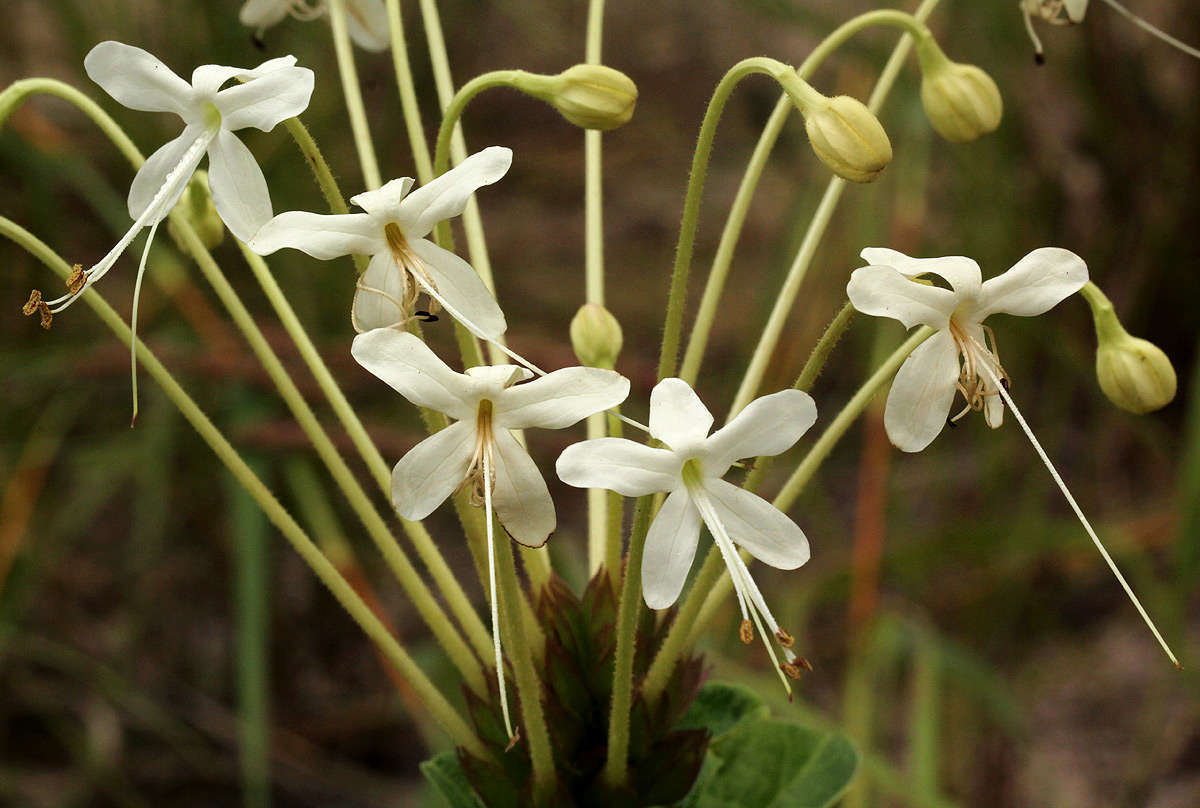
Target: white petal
x,y
262,14
961,273
885,292
207,79
887,257
432,470
137,79
677,415
447,195
384,202
239,189
752,522
410,368
520,497
1075,9
379,295
321,236
495,378
267,100
150,177
461,288
631,469
367,24
670,550
767,426
560,399
1034,285
922,392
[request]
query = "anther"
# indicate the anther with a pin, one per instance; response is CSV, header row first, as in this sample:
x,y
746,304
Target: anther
x,y
46,314
425,316
790,670
257,41
746,632
35,300
1039,59
785,639
514,739
76,279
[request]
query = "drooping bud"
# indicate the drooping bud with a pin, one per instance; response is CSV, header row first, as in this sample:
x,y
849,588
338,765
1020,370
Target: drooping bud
x,y
596,336
961,101
197,207
589,96
1134,373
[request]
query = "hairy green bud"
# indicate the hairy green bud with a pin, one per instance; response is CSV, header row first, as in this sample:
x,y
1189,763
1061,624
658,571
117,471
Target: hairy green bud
x,y
589,96
961,101
596,336
1134,373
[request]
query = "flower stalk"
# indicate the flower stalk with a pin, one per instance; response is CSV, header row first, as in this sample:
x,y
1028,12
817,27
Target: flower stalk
x,y
353,92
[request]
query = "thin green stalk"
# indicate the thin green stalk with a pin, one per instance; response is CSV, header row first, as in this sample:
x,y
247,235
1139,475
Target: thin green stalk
x,y
924,718
441,710
408,94
17,92
529,686
616,766
452,116
443,576
353,92
833,192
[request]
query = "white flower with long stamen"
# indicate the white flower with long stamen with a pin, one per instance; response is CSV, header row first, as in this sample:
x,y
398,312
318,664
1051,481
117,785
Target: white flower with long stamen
x,y
690,468
922,394
478,449
366,20
1071,12
404,264
923,390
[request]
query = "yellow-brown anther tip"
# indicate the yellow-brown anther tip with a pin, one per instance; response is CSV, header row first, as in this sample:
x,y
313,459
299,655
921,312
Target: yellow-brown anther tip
x,y
804,663
46,315
789,670
785,639
31,305
514,740
76,279
746,632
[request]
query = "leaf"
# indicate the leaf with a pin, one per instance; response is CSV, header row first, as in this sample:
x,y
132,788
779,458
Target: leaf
x,y
448,779
775,764
722,706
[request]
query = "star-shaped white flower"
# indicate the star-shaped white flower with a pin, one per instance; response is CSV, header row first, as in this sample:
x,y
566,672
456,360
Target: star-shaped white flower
x,y
690,468
923,390
366,20
404,264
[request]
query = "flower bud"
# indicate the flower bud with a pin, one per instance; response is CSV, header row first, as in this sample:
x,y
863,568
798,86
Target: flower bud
x,y
847,138
197,207
1134,373
596,336
961,101
589,96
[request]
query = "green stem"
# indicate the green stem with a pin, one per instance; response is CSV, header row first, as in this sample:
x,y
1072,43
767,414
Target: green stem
x,y
452,117
825,345
353,93
441,710
408,94
616,766
616,514
17,92
443,576
529,686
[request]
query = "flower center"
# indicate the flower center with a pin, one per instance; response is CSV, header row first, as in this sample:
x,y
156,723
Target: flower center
x,y
484,445
975,388
409,264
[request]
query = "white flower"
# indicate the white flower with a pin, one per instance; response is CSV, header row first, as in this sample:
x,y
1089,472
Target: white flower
x,y
690,468
923,390
404,264
1071,12
366,20
270,93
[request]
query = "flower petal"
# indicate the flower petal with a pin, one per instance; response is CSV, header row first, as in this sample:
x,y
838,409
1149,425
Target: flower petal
x,y
137,79
239,189
961,273
560,399
154,172
409,367
379,295
367,24
520,497
767,426
884,292
631,469
447,195
266,100
207,79
670,549
432,470
262,14
384,202
321,236
921,394
757,525
1034,285
461,288
677,415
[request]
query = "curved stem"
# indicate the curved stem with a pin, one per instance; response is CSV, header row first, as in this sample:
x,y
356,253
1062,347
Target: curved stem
x,y
433,699
353,93
454,110
17,92
408,94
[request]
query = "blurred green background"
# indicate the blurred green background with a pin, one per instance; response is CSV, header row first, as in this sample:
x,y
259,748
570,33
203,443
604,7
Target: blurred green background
x,y
962,628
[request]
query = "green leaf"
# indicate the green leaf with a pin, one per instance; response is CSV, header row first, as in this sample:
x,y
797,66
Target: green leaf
x,y
721,706
775,764
448,779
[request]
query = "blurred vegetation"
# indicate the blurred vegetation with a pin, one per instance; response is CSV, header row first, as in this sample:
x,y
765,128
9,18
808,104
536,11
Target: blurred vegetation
x,y
158,646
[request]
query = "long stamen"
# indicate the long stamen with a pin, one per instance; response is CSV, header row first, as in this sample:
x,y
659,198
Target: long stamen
x,y
1039,54
1150,29
1079,513
487,509
133,316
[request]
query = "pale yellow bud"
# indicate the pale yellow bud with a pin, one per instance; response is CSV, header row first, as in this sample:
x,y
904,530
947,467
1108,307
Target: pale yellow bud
x,y
197,207
847,138
596,336
1134,373
589,96
961,101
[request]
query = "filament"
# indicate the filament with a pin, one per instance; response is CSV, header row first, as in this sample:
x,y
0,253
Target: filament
x,y
487,508
1152,30
133,316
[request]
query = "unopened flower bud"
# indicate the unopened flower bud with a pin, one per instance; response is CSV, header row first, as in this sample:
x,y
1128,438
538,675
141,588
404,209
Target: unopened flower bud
x,y
596,336
847,138
589,96
961,101
197,207
1134,373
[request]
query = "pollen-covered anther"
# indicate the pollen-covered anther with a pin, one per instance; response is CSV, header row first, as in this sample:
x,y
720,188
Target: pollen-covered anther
x,y
746,632
77,279
47,316
790,670
785,639
31,305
